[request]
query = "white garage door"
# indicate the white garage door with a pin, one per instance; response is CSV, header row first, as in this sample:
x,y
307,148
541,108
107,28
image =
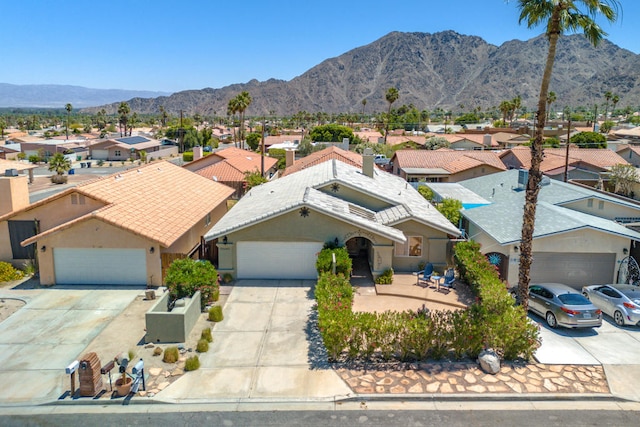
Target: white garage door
x,y
100,154
82,266
277,260
573,269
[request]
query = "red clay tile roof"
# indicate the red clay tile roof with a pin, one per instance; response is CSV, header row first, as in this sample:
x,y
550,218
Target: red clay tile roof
x,y
555,157
159,201
329,153
451,160
234,167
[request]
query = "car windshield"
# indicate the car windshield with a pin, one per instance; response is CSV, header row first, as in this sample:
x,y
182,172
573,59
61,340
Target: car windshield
x,y
573,299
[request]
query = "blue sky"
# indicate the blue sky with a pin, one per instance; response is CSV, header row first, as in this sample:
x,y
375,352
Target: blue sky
x,y
169,45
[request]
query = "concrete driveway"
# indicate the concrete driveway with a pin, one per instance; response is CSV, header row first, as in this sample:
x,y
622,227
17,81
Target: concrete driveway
x,y
52,329
266,347
615,348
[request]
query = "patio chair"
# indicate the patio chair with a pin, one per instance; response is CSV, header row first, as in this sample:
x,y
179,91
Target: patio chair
x,y
449,279
424,276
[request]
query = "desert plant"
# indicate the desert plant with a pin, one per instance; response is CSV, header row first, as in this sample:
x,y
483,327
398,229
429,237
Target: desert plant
x,y
202,346
131,354
100,162
215,313
8,272
206,335
215,295
186,276
157,351
192,363
171,355
28,268
227,278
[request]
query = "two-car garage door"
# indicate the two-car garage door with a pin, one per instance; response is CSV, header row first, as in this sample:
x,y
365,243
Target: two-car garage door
x,y
277,260
100,266
573,269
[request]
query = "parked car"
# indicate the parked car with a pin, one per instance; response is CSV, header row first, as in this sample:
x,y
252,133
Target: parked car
x,y
561,305
621,302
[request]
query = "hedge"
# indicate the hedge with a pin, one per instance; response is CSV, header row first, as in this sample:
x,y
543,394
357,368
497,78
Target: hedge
x,y
492,322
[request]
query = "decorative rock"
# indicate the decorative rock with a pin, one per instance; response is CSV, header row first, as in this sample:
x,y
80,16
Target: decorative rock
x,y
416,388
433,387
398,389
489,362
149,345
151,394
163,385
155,371
176,372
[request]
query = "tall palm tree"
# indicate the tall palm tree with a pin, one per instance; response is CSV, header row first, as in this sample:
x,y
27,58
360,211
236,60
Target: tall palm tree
x,y
68,107
607,97
124,110
558,17
243,100
232,109
551,98
391,96
614,101
364,104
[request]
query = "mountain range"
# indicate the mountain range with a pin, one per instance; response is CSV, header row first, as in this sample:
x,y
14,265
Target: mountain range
x,y
57,96
445,69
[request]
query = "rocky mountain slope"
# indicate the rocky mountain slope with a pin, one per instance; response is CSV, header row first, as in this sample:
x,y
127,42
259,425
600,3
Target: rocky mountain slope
x,y
444,70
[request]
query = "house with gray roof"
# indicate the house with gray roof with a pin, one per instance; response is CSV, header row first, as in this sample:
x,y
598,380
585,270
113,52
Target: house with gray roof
x,y
580,235
277,229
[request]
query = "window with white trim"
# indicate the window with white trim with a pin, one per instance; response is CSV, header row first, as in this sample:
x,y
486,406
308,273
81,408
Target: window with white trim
x,y
207,219
411,248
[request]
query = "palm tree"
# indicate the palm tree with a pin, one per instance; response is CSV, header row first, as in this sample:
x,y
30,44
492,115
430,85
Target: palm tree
x,y
232,108
391,96
242,102
614,101
551,98
364,104
607,96
59,164
124,110
505,108
68,107
558,17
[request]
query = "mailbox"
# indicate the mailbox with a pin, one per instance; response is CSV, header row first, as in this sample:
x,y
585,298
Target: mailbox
x,y
138,368
72,367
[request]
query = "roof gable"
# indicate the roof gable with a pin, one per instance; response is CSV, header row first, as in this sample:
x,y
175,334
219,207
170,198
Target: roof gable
x,y
329,153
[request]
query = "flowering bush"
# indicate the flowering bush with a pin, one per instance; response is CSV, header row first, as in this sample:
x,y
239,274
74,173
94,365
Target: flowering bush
x,y
8,272
186,276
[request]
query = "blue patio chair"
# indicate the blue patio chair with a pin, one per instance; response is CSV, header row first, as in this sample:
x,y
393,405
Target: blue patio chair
x,y
424,276
449,278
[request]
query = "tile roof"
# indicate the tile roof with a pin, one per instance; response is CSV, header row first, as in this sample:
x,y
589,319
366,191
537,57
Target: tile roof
x,y
233,168
324,155
14,164
160,201
556,157
502,219
294,191
453,161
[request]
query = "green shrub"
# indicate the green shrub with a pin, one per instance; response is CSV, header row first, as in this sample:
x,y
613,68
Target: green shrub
x,y
202,346
8,272
215,295
186,276
28,268
215,313
386,278
187,156
206,335
100,162
192,363
324,262
131,354
171,355
227,278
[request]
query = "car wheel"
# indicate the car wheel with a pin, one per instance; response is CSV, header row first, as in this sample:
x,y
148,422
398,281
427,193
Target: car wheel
x,y
618,318
551,320
586,295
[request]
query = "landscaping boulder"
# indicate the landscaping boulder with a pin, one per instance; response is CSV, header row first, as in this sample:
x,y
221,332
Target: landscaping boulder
x,y
489,362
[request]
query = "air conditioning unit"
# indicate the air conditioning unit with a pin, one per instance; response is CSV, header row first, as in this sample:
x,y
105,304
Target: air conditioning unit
x,y
11,172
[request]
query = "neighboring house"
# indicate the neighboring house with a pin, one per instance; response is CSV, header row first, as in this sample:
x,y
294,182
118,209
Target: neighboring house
x,y
329,153
442,128
123,229
9,151
45,148
632,134
129,147
444,165
631,153
584,163
277,229
579,238
230,165
510,140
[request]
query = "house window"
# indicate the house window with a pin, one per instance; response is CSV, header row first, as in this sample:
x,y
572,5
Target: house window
x,y
590,203
117,153
601,204
207,219
412,247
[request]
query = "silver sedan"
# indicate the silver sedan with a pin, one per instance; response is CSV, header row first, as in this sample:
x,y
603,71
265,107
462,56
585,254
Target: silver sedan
x,y
561,305
621,302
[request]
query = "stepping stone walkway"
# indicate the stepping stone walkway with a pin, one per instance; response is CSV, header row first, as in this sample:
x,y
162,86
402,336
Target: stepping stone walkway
x,y
450,378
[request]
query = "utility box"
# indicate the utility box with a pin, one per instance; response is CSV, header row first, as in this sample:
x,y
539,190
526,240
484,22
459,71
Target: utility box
x,y
89,375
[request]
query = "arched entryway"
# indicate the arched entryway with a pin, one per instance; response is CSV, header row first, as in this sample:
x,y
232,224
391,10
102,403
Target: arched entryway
x,y
359,249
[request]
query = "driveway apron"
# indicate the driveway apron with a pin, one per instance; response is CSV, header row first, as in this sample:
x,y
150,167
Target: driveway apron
x,y
265,348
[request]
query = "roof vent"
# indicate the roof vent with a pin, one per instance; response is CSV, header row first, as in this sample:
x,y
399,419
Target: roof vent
x,y
215,178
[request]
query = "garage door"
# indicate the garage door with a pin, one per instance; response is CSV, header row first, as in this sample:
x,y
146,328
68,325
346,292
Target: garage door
x,y
277,260
573,269
75,266
100,154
